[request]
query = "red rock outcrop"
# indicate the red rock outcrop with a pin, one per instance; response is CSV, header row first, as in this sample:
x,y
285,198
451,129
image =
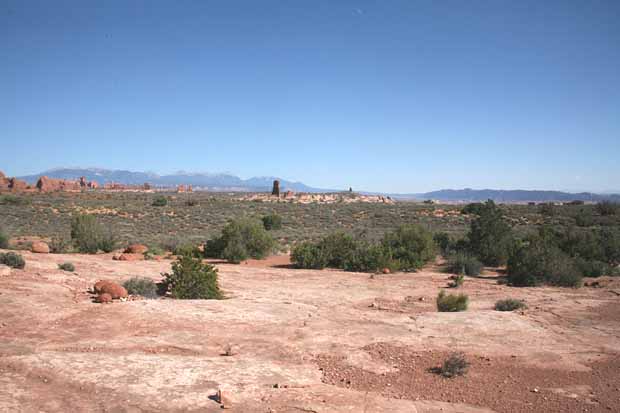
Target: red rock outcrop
x,y
46,184
136,249
17,185
110,287
40,247
131,257
104,298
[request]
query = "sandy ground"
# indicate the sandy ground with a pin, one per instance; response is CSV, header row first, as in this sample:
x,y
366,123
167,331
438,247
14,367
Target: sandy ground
x,y
305,341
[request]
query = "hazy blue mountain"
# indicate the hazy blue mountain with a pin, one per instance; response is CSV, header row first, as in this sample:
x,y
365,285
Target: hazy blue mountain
x,y
222,182
517,195
229,182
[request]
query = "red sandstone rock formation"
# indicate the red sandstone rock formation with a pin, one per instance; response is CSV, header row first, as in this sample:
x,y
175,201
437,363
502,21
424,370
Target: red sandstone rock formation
x,y
104,298
17,185
136,249
109,287
40,247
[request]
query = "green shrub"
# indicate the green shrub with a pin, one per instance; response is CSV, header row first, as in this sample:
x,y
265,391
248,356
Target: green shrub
x,y
592,268
474,208
338,247
455,365
308,255
144,287
606,208
538,260
451,302
509,304
547,209
60,245
192,202
369,257
12,260
89,236
461,263
410,246
242,239
10,199
187,249
66,266
192,279
610,245
160,201
214,248
489,235
4,240
583,219
272,222
443,241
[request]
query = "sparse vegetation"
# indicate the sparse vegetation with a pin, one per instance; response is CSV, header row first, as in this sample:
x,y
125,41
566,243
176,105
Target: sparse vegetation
x,y
462,263
455,365
509,304
4,240
607,208
192,279
66,266
141,286
160,201
411,246
60,245
89,236
451,302
272,222
489,235
12,260
241,239
538,260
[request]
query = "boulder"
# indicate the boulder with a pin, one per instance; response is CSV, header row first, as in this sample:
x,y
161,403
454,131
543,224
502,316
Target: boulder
x,y
136,249
4,270
386,271
110,287
223,398
104,298
40,247
131,257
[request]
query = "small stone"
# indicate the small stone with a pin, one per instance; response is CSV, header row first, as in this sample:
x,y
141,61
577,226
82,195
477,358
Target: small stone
x,y
223,398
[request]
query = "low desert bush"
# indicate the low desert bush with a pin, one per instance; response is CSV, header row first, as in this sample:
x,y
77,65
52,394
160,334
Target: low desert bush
x,y
272,222
462,263
144,287
606,208
509,304
455,365
89,236
308,255
592,268
60,245
451,302
66,266
241,239
12,260
489,236
411,246
187,249
538,260
160,201
192,279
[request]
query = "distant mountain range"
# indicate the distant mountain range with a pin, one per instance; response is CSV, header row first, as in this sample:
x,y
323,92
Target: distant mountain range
x,y
214,182
228,182
517,195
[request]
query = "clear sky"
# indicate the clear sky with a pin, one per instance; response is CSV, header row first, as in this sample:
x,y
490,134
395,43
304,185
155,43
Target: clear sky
x,y
394,96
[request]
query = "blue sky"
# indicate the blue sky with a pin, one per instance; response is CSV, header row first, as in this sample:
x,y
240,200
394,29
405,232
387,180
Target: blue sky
x,y
394,96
